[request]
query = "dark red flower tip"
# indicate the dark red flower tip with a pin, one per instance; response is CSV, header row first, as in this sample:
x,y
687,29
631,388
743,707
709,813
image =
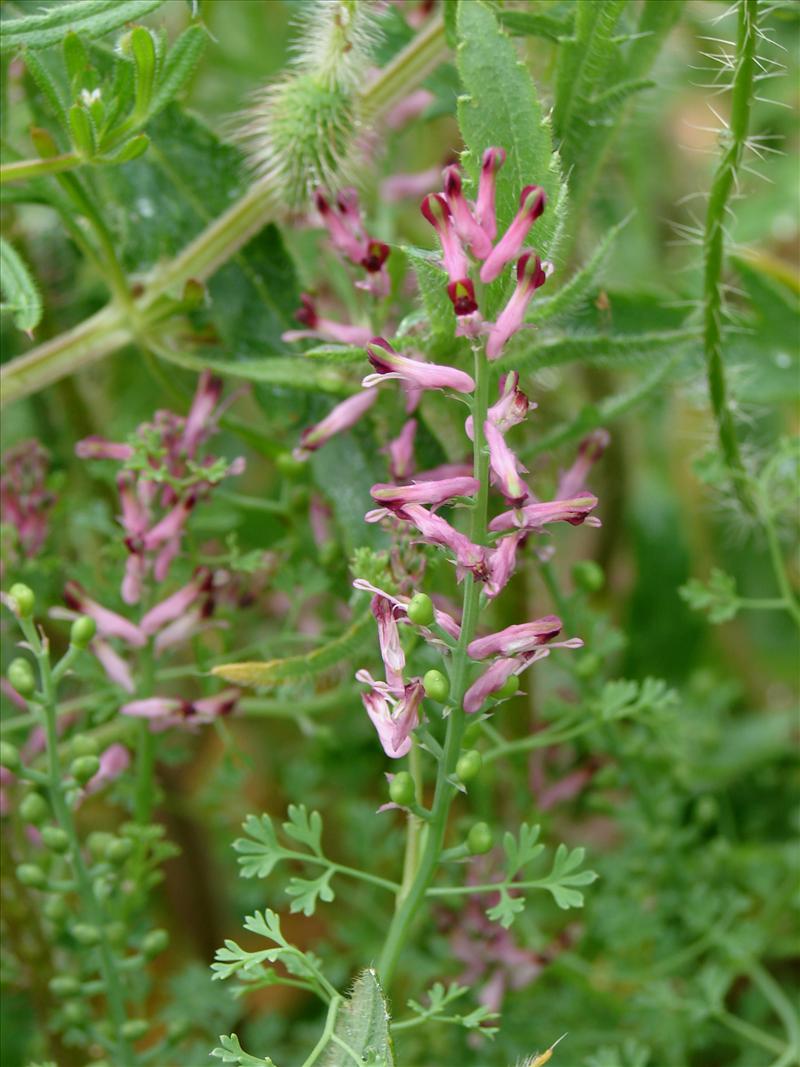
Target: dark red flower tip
x,y
529,266
533,199
377,254
462,296
452,181
493,159
434,208
321,202
307,312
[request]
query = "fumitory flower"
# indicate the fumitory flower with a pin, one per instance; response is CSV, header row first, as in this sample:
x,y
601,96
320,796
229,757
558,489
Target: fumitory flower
x,y
348,235
324,329
534,516
390,364
394,712
532,202
342,417
530,276
25,500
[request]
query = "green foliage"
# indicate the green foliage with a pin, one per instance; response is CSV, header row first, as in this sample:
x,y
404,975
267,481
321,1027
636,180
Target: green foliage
x,y
439,999
230,1051
92,18
21,297
718,597
362,1027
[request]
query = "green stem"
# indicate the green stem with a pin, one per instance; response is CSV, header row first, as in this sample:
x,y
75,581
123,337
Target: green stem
x,y
327,1033
117,325
24,169
749,1032
779,569
115,1000
780,1004
444,791
414,826
714,247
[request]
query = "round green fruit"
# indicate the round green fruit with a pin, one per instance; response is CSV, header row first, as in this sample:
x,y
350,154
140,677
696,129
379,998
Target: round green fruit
x,y
469,765
31,875
23,598
83,768
20,674
401,789
436,685
509,687
56,839
9,756
479,839
154,942
420,609
82,631
34,809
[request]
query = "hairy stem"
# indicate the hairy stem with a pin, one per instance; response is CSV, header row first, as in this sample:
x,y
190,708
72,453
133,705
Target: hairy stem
x,y
444,792
714,248
23,169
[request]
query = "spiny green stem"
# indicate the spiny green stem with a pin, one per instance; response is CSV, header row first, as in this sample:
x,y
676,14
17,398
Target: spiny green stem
x,y
714,248
444,791
24,169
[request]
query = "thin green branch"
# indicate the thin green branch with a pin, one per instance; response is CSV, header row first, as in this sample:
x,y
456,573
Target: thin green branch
x,y
24,169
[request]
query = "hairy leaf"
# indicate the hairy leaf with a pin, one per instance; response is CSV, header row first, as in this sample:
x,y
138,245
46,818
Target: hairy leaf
x,y
92,18
363,1026
20,293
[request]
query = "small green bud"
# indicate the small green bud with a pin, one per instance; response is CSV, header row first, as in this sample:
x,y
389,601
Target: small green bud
x,y
23,600
82,631
83,768
118,849
155,942
117,934
55,909
84,745
472,735
479,839
436,685
588,665
97,843
34,809
76,1013
56,839
420,609
133,1029
401,788
469,765
588,576
20,674
509,687
64,985
288,465
31,875
9,756
86,934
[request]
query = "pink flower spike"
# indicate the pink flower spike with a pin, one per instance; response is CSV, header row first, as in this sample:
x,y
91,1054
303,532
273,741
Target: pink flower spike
x,y
590,450
341,418
531,205
171,526
179,631
390,364
492,679
113,762
434,208
493,159
530,277
109,623
401,452
98,448
467,228
178,604
462,297
113,664
517,639
199,422
437,492
504,465
437,531
534,516
163,560
392,654
446,470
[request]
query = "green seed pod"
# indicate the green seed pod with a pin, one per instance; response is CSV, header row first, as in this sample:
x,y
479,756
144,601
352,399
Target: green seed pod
x,y
9,756
34,809
23,600
86,934
588,576
401,789
84,745
64,985
20,674
436,685
479,839
155,942
472,735
97,843
83,768
31,875
56,839
509,687
118,849
82,631
469,765
76,1013
133,1029
55,909
420,609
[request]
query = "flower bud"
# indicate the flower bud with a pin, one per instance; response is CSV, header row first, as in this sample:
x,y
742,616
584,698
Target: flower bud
x,y
479,839
420,609
97,842
9,756
23,600
76,1013
469,765
56,839
31,875
20,674
118,849
401,789
86,934
155,942
83,768
472,734
436,685
34,809
64,985
84,745
82,631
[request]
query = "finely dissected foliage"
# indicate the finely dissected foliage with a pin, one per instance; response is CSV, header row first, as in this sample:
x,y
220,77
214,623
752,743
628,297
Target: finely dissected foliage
x,y
397,532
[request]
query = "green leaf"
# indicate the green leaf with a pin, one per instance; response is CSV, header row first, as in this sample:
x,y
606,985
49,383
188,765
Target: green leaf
x,y
259,854
291,371
20,293
81,130
607,349
501,107
537,24
47,87
230,1051
76,57
278,670
506,909
560,881
143,50
180,64
90,18
520,851
363,1026
307,891
305,828
131,150
432,281
719,597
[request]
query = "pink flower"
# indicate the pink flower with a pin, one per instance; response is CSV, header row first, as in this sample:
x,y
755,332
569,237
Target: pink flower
x,y
177,605
467,228
437,492
342,417
434,208
590,450
25,500
408,186
113,762
513,406
462,297
200,421
325,329
517,639
530,276
401,452
535,516
171,711
532,202
504,465
437,531
117,670
392,654
343,223
493,159
492,679
390,364
501,563
407,109
394,718
109,623
99,448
